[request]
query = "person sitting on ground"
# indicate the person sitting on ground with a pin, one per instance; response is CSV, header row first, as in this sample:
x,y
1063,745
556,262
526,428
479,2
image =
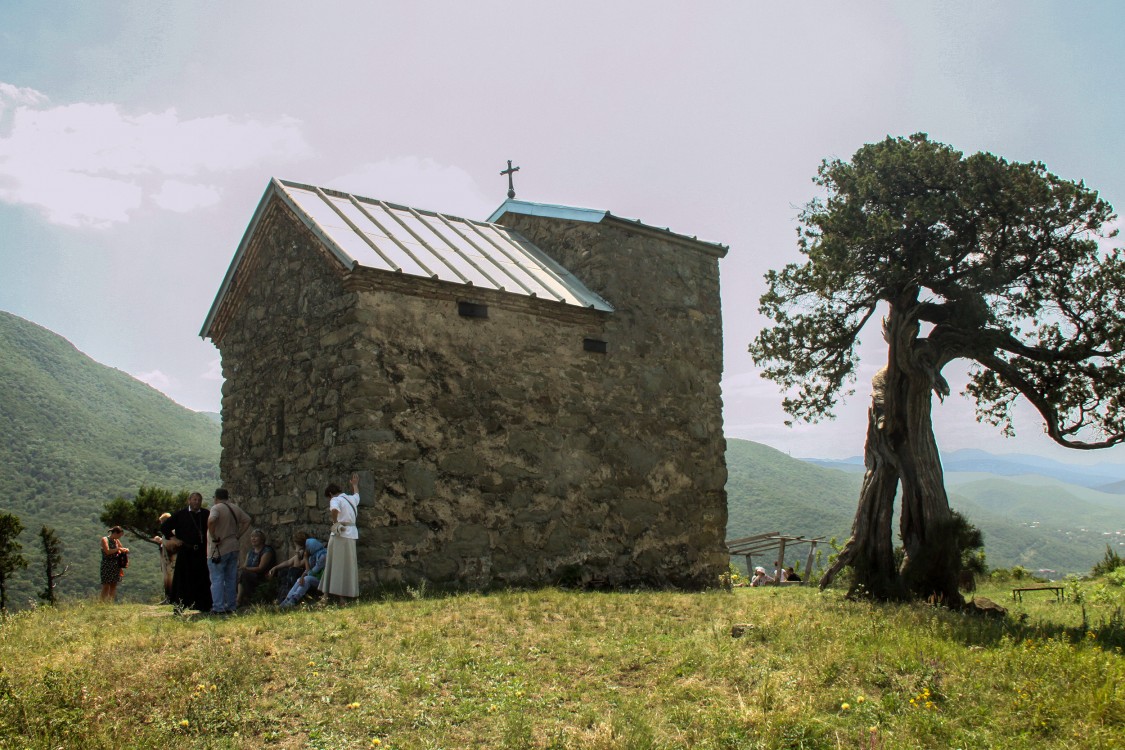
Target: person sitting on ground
x,y
288,571
315,555
791,575
259,560
761,577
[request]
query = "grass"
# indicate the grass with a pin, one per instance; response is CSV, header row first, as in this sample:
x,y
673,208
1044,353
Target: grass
x,y
555,669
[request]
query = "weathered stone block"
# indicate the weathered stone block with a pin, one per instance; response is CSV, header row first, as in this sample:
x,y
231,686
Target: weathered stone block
x,y
419,480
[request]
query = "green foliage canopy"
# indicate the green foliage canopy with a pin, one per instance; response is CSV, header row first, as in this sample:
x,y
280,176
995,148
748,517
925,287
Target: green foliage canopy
x,y
998,263
139,515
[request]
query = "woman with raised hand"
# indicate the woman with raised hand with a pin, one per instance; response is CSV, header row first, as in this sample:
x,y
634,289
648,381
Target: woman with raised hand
x,y
341,569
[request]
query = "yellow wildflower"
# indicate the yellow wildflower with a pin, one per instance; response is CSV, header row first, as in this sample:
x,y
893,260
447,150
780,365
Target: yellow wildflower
x,y
845,706
183,722
860,699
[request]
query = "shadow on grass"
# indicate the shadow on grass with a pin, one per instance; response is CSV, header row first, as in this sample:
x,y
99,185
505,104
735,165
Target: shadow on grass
x,y
1107,632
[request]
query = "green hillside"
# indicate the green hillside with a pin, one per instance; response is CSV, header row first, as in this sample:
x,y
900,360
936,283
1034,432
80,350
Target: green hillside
x,y
769,491
77,433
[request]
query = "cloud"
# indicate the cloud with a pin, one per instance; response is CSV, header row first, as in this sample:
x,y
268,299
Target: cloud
x,y
179,196
11,96
88,164
156,379
422,183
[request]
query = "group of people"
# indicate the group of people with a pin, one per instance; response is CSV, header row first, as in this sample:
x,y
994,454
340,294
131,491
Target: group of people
x,y
200,556
762,578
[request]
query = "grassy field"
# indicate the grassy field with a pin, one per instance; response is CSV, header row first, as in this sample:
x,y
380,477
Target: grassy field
x,y
556,669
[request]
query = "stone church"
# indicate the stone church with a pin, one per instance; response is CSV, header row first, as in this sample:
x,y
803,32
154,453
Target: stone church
x,y
531,399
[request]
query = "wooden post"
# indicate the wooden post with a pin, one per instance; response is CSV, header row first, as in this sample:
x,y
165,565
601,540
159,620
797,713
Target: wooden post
x,y
780,559
749,567
809,564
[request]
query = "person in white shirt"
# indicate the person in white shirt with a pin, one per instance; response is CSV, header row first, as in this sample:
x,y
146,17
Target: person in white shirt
x,y
761,577
341,570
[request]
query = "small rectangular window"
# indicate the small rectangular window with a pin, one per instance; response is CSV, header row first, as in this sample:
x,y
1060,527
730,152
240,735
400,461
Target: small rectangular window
x,y
594,345
472,310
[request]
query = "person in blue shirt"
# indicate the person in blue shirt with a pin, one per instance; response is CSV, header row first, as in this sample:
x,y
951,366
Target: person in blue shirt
x,y
315,554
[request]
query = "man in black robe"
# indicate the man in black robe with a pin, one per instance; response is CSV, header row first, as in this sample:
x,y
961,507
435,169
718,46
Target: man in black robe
x,y
191,581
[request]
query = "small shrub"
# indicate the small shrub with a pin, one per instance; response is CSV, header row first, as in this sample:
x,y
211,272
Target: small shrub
x,y
1116,577
1015,573
1111,562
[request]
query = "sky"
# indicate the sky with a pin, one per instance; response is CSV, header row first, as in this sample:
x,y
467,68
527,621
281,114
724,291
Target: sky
x,y
137,137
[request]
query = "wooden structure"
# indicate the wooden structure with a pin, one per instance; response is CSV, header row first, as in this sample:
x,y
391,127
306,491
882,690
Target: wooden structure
x,y
1017,593
760,544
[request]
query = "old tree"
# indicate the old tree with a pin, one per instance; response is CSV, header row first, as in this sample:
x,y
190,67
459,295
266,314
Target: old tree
x,y
964,258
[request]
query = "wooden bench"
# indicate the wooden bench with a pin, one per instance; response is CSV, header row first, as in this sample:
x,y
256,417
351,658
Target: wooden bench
x,y
1017,593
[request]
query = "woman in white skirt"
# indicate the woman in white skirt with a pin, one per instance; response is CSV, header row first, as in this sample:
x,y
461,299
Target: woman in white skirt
x,y
341,571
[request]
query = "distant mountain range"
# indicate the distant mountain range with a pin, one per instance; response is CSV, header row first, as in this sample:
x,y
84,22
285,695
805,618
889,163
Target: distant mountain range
x,y
1105,477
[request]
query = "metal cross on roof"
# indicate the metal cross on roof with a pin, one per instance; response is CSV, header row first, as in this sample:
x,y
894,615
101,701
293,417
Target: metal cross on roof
x,y
509,171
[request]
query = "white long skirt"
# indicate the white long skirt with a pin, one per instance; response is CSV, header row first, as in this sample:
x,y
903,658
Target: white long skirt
x,y
341,571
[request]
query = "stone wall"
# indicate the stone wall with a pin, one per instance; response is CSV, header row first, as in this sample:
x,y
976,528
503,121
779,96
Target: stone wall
x,y
491,450
286,347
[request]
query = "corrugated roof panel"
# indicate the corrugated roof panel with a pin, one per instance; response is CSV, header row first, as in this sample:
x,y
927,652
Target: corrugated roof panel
x,y
390,237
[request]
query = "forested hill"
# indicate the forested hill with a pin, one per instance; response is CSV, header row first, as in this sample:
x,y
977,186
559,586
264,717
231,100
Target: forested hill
x,y
74,434
770,491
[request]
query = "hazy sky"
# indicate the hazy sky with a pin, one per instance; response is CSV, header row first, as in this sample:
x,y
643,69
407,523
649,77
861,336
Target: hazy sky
x,y
136,138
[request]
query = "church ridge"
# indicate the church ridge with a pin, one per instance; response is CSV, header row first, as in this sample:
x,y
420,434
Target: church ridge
x,y
597,216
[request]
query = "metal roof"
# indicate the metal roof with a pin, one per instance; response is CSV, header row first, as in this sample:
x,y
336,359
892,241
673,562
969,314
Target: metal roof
x,y
596,216
400,239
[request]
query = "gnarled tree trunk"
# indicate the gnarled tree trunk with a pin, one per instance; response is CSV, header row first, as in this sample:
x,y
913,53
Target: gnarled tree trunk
x,y
870,550
901,453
